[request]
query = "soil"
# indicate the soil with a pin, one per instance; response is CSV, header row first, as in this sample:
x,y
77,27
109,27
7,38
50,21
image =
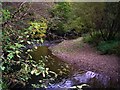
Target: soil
x,y
84,56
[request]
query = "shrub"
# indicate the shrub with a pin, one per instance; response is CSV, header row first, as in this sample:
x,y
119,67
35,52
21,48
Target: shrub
x,y
93,38
106,47
18,65
88,39
109,47
60,14
38,29
116,49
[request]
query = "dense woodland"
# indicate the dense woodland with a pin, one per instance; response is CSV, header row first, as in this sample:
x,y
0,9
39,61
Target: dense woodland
x,y
26,24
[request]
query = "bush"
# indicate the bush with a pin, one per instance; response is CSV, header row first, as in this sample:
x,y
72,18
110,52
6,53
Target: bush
x,y
60,13
94,38
18,65
117,49
106,47
38,29
109,47
88,39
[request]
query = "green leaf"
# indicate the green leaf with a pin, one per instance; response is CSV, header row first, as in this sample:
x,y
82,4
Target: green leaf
x,y
41,40
2,68
43,73
33,71
37,73
10,56
17,52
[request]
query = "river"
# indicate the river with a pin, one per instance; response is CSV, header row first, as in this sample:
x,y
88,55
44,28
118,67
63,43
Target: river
x,y
68,75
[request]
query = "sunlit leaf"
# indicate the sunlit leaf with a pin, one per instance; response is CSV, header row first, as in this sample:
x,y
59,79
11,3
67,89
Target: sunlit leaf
x,y
35,47
43,73
28,42
17,52
10,56
41,40
33,71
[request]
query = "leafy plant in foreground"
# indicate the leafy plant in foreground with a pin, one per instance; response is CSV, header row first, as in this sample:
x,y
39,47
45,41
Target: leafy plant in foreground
x,y
18,65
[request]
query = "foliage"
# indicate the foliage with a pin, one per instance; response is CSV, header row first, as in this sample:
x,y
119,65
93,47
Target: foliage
x,y
112,20
74,23
6,14
100,22
18,65
60,16
95,17
105,47
38,29
107,20
94,39
3,85
84,16
61,10
109,47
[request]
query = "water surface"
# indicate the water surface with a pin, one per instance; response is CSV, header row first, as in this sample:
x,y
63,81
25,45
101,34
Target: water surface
x,y
68,76
52,62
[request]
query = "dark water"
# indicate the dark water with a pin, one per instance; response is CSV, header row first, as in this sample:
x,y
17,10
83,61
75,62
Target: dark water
x,y
52,62
68,76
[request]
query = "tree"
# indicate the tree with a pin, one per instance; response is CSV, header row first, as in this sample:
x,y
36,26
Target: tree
x,y
94,18
60,16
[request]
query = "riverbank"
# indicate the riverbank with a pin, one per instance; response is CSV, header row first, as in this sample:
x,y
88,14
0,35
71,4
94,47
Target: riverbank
x,y
83,56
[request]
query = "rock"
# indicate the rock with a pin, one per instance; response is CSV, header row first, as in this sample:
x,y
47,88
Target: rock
x,y
88,77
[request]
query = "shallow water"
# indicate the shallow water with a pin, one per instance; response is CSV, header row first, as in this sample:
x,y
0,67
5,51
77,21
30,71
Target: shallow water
x,y
68,75
52,62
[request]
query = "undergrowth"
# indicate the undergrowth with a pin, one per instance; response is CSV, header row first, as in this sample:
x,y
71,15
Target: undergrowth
x,y
109,47
105,47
